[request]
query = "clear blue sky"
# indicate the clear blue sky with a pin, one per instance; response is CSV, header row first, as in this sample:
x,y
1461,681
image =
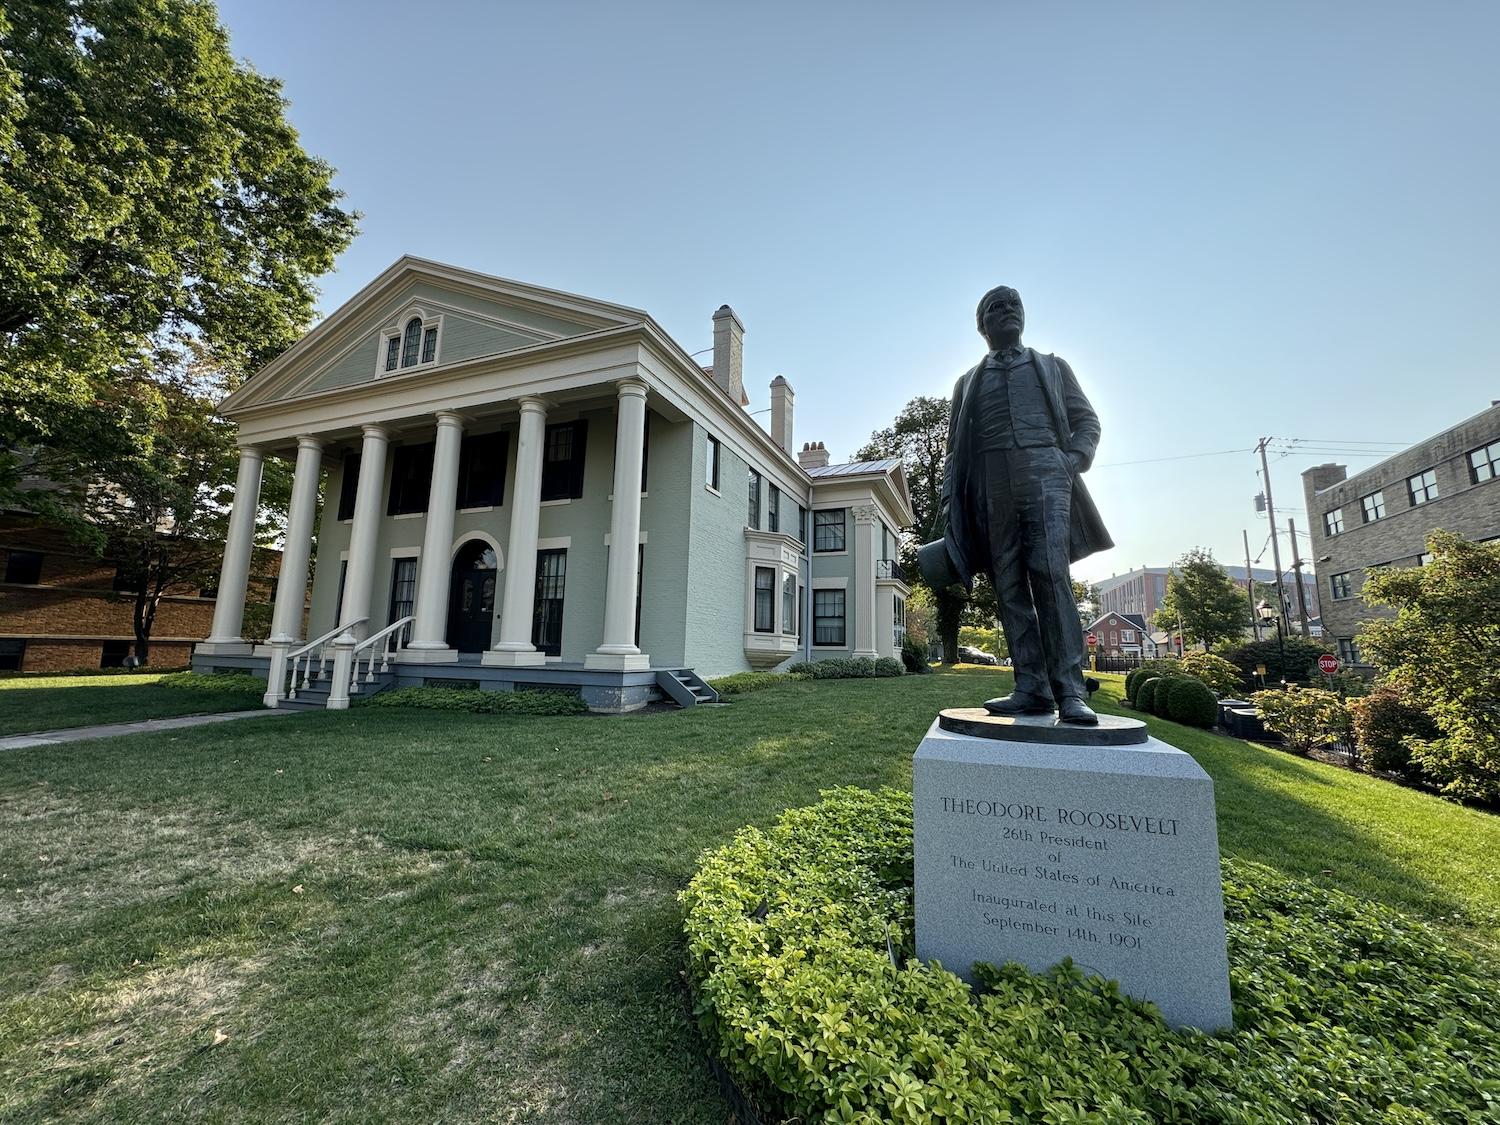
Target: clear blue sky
x,y
1234,220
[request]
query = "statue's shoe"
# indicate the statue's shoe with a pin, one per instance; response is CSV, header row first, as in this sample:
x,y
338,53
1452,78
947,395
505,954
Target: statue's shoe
x,y
1019,703
1075,710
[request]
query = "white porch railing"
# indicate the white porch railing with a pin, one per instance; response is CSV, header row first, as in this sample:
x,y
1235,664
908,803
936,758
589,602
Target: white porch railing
x,y
301,663
347,654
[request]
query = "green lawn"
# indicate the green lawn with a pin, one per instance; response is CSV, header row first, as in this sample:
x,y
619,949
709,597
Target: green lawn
x,y
34,703
404,915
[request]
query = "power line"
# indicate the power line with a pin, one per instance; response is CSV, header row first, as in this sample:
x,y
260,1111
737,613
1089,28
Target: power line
x,y
1180,457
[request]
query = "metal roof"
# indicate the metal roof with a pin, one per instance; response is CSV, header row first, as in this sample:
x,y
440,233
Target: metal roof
x,y
855,468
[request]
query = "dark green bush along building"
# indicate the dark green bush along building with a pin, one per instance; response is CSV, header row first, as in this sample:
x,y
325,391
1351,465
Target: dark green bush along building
x,y
1382,515
486,447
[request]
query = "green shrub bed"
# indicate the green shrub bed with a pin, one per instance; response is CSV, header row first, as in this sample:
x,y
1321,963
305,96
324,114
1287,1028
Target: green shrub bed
x,y
215,682
847,668
741,683
481,702
1344,1011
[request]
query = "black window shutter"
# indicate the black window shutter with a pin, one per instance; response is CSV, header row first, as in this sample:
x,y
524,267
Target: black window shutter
x,y
349,486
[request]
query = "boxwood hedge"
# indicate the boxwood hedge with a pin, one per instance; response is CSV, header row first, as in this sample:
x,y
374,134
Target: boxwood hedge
x,y
801,954
1190,701
481,702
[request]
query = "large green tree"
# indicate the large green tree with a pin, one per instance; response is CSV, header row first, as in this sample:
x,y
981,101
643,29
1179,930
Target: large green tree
x,y
919,438
1201,595
152,194
1443,650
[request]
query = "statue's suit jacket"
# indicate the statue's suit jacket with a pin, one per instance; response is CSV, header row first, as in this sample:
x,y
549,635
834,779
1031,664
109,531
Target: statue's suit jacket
x,y
1077,428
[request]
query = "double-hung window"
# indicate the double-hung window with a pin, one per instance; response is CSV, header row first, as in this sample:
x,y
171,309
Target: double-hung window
x,y
563,460
1333,522
1339,585
349,486
1373,506
481,470
828,530
1422,487
753,519
403,593
411,479
1484,464
828,617
773,509
789,604
23,567
551,579
712,456
765,599
1348,651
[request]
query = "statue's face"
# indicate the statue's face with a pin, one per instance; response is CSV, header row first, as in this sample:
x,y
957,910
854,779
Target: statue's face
x,y
1004,318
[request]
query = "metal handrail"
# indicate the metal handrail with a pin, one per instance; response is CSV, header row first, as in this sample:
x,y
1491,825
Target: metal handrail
x,y
367,649
304,654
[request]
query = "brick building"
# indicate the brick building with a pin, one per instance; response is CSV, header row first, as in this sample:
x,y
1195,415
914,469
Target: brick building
x,y
63,609
1383,515
1141,591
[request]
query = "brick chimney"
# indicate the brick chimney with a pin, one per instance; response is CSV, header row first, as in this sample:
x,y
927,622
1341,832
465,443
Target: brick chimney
x,y
729,354
813,455
781,412
1319,477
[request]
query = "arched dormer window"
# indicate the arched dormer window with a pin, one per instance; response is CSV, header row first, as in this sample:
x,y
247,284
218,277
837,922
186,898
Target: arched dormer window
x,y
411,342
413,345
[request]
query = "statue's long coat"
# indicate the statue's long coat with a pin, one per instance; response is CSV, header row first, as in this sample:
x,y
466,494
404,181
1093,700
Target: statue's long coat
x,y
1078,430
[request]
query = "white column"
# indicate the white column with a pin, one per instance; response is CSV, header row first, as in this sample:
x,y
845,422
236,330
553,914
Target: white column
x,y
234,573
291,588
359,579
518,604
866,520
618,649
429,643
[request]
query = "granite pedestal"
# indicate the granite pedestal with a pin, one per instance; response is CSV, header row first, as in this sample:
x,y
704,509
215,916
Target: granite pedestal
x,y
1036,841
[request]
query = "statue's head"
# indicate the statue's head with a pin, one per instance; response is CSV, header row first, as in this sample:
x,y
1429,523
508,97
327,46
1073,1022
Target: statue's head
x,y
1001,317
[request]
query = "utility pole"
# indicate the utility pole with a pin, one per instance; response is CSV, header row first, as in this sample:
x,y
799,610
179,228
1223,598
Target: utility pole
x,y
1250,586
1265,475
1291,527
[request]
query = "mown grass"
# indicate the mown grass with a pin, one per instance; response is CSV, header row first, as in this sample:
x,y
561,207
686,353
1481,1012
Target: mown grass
x,y
395,915
36,703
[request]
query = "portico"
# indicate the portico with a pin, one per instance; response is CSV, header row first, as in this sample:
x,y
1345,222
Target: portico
x,y
521,487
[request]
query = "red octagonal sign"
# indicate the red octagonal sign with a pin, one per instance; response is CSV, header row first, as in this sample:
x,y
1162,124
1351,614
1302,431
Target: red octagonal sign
x,y
1328,664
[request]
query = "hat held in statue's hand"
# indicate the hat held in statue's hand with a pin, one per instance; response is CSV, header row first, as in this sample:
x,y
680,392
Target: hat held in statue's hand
x,y
936,564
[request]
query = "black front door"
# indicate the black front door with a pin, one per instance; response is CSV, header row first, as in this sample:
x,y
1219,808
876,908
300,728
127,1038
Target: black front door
x,y
471,598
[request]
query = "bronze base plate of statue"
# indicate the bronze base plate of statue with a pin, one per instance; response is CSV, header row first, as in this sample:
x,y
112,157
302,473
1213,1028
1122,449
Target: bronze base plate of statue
x,y
1020,436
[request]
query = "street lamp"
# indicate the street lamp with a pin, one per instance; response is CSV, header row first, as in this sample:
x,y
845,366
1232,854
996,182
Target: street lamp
x,y
1267,615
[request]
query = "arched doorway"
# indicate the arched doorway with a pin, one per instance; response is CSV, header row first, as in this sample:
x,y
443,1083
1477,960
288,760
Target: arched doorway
x,y
471,597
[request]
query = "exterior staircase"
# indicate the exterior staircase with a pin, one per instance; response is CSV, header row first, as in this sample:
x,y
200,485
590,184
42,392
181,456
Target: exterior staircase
x,y
314,697
685,687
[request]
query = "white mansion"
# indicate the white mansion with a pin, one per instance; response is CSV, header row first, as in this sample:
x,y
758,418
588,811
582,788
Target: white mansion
x,y
489,445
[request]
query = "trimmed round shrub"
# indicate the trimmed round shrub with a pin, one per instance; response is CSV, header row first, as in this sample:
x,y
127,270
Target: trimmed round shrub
x,y
1191,701
1144,672
914,657
1145,693
888,666
800,949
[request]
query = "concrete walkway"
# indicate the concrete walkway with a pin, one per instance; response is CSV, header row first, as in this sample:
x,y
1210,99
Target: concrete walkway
x,y
111,730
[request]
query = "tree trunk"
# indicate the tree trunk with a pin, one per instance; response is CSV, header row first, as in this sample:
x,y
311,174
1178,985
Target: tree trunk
x,y
950,609
144,619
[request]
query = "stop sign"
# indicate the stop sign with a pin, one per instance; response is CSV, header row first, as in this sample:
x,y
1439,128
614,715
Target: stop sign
x,y
1328,664
1093,639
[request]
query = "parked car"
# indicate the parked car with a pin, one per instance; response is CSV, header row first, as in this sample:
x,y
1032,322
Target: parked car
x,y
967,654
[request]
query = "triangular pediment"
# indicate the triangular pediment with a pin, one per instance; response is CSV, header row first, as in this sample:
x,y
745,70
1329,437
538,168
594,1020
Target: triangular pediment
x,y
419,316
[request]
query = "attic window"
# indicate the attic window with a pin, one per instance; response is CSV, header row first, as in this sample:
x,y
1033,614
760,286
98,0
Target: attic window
x,y
412,343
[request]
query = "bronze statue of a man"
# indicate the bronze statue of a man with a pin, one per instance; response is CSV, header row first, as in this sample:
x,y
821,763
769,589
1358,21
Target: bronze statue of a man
x,y
1020,434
